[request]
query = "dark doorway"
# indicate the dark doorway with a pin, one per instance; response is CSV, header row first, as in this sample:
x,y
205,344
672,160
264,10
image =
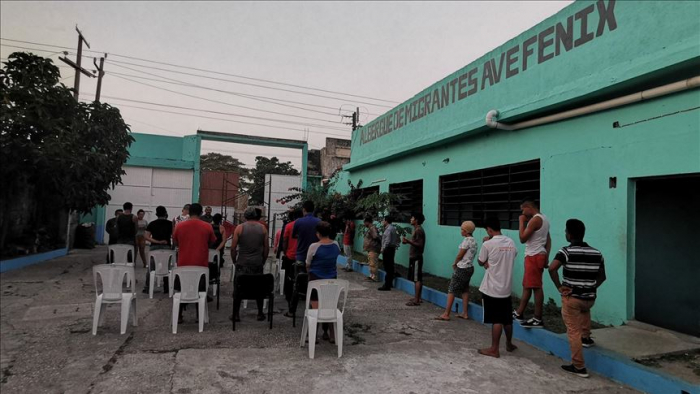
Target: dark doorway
x,y
667,275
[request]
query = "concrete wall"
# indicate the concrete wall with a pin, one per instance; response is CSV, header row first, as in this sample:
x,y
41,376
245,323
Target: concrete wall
x,y
157,151
334,155
660,137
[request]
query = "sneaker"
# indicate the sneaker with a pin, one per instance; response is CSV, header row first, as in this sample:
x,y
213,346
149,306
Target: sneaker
x,y
384,288
582,373
518,318
533,323
587,342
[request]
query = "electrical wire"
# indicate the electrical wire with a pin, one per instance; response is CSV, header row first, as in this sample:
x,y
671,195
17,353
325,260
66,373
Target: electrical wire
x,y
181,83
230,104
232,121
215,72
221,113
251,96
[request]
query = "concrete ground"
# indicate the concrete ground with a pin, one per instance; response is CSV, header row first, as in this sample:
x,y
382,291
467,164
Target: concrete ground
x,y
47,346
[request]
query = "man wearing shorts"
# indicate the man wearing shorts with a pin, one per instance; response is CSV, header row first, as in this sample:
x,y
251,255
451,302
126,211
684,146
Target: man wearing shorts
x,y
537,242
415,257
497,256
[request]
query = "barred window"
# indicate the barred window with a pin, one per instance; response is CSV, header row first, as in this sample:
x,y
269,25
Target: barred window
x,y
490,192
411,198
364,192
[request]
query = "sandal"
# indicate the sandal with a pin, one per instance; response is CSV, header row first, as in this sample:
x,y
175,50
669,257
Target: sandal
x,y
412,303
462,317
440,318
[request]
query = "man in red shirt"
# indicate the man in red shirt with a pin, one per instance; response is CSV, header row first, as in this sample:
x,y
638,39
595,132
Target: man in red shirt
x,y
289,254
192,238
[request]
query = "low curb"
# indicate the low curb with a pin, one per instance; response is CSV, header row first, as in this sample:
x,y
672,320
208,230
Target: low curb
x,y
21,262
603,362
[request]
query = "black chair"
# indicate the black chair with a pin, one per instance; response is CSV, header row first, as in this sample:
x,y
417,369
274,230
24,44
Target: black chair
x,y
253,287
299,293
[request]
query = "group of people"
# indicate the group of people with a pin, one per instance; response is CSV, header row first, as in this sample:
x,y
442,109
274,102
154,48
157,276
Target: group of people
x,y
583,272
192,233
309,252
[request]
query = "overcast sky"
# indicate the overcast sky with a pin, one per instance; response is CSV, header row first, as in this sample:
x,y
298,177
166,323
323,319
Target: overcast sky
x,y
387,51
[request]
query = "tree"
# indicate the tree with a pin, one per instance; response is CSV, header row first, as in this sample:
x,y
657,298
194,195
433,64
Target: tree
x,y
61,153
263,166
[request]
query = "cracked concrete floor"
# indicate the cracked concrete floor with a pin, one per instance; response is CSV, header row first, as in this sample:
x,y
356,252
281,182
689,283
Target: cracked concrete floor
x,y
46,346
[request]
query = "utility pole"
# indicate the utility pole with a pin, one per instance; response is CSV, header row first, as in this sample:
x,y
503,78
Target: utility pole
x,y
77,65
355,119
100,74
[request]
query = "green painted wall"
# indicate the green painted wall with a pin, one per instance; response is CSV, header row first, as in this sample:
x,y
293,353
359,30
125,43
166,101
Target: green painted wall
x,y
646,36
659,137
151,150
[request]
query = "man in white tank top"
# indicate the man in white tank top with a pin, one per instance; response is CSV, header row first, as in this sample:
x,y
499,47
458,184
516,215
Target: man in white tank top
x,y
535,236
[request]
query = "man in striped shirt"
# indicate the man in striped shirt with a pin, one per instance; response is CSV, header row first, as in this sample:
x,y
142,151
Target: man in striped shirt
x,y
584,272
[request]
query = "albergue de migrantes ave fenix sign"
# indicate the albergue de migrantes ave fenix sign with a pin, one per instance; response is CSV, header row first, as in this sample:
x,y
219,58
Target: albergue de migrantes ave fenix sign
x,y
553,41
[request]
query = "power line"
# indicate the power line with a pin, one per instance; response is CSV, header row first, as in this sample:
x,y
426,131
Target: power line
x,y
186,84
182,83
245,83
119,75
230,120
283,90
217,72
222,113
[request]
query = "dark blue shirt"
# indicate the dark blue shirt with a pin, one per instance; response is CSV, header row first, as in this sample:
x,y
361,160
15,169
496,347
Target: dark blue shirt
x,y
305,232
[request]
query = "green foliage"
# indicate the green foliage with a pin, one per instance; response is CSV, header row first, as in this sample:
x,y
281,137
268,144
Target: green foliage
x,y
326,198
263,166
70,152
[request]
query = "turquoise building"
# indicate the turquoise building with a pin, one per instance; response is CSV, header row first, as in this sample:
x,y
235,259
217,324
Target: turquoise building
x,y
595,111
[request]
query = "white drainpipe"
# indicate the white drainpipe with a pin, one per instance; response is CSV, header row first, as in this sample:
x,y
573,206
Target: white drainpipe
x,y
687,84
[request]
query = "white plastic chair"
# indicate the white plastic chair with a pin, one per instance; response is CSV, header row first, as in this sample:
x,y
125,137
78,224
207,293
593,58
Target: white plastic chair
x,y
122,254
328,291
164,261
112,278
189,292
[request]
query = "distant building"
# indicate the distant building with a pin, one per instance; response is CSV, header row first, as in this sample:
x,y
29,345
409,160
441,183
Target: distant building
x,y
334,156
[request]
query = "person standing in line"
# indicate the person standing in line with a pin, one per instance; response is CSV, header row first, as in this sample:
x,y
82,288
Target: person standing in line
x,y
584,272
497,256
192,237
111,227
348,240
183,216
289,254
321,263
372,245
304,231
250,248
390,242
207,215
415,257
141,225
219,245
126,230
158,233
463,268
535,236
